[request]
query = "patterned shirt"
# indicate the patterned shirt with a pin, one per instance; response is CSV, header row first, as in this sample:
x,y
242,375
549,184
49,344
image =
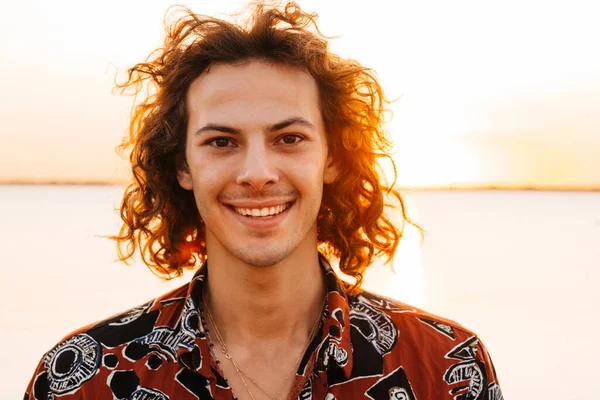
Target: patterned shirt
x,y
369,347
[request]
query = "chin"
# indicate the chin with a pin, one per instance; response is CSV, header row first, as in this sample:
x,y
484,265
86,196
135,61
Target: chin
x,y
263,259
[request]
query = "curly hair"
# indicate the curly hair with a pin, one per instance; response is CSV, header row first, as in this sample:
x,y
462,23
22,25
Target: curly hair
x,y
161,220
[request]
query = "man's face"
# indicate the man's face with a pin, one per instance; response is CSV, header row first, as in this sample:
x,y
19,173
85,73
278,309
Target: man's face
x,y
257,155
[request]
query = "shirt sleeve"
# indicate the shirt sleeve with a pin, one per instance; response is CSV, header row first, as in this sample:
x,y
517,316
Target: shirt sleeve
x,y
38,387
489,385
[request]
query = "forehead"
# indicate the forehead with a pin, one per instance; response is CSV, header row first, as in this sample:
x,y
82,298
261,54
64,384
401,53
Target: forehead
x,y
253,89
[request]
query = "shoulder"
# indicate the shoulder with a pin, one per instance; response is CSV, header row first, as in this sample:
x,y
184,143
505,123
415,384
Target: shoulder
x,y
92,351
421,347
135,322
406,317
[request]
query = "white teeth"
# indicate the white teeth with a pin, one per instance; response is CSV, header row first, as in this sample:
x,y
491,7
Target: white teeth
x,y
262,212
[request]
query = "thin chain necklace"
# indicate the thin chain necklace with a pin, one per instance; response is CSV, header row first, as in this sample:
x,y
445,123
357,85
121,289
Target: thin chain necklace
x,y
243,374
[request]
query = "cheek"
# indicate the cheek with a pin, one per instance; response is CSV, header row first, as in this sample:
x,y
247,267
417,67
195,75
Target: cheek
x,y
208,179
304,173
308,180
207,169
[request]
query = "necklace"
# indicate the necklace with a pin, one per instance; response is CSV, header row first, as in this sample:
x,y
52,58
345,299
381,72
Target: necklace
x,y
243,374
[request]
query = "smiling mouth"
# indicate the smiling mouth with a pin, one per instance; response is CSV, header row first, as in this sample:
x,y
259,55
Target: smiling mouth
x,y
262,213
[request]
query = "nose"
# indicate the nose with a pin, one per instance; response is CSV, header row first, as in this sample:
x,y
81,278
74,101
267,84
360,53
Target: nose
x,y
258,169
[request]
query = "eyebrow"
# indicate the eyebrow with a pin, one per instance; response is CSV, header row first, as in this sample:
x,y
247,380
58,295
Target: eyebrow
x,y
291,121
270,128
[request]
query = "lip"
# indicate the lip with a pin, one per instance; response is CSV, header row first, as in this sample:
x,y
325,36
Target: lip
x,y
260,223
263,204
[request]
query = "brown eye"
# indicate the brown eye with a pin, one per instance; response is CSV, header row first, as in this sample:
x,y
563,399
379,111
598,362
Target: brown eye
x,y
219,142
291,139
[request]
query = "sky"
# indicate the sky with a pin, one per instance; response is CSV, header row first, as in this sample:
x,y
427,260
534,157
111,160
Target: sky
x,y
500,94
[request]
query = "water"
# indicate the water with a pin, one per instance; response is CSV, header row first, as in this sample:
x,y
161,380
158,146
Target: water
x,y
519,268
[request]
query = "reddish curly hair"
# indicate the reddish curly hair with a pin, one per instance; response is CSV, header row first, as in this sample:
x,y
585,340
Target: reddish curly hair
x,y
161,220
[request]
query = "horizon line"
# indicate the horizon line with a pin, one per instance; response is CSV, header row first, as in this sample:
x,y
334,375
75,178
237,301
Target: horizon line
x,y
449,187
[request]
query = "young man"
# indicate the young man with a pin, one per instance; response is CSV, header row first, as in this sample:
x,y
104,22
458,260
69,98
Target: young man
x,y
255,156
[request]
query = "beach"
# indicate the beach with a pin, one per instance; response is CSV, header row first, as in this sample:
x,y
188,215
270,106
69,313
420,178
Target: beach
x,y
520,268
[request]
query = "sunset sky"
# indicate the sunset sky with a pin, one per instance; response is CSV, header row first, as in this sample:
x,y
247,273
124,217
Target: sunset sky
x,y
502,94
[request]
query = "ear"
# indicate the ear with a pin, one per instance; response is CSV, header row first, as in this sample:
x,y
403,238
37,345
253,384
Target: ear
x,y
331,171
185,178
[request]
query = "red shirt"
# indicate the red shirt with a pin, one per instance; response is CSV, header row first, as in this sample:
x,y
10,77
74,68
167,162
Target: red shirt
x,y
369,347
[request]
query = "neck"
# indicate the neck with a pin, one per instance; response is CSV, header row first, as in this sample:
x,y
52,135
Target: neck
x,y
265,304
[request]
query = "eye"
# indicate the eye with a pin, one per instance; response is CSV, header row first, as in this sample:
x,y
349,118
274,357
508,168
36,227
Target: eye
x,y
219,142
291,139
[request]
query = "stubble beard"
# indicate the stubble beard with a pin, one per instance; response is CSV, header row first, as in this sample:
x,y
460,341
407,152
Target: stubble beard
x,y
262,252
268,254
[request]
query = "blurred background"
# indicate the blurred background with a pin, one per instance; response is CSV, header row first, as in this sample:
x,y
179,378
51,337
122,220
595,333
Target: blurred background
x,y
497,144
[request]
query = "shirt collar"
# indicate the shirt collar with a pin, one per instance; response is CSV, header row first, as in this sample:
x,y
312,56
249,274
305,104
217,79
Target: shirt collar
x,y
329,352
